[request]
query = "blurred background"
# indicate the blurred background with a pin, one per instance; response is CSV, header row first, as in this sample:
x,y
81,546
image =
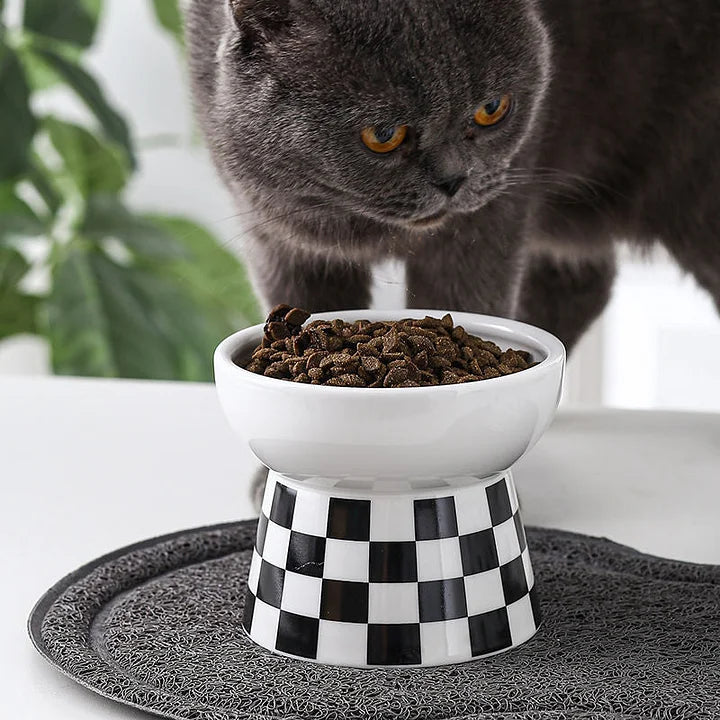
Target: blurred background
x,y
118,243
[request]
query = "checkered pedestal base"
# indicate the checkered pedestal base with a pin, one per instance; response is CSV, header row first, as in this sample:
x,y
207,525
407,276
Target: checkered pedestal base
x,y
372,578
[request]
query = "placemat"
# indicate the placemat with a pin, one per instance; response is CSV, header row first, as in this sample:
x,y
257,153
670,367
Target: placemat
x,y
157,626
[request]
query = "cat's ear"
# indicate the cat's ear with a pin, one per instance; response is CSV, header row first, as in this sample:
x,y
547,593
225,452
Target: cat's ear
x,y
260,21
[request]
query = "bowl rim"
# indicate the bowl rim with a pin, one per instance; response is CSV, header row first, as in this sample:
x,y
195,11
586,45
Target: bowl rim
x,y
553,348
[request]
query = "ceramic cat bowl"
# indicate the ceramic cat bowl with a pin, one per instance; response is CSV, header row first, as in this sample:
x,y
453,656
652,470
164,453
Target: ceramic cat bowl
x,y
390,531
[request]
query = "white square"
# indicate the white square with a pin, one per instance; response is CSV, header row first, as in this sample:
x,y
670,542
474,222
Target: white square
x,y
447,641
439,559
254,573
277,541
301,594
512,493
311,513
472,510
529,574
343,643
522,623
393,603
268,495
506,541
484,592
346,560
392,519
265,623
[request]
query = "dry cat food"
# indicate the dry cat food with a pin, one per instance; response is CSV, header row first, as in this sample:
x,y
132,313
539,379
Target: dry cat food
x,y
403,353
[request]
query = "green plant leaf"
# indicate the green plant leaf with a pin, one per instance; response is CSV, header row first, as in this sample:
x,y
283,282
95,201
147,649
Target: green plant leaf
x,y
170,17
73,21
39,74
16,217
88,90
39,177
212,274
94,166
110,320
17,123
17,310
106,217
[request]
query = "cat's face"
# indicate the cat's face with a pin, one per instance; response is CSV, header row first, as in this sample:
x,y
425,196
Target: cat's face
x,y
309,87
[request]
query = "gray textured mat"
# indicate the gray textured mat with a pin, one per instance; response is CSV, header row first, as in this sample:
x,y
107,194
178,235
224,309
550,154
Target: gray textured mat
x,y
157,626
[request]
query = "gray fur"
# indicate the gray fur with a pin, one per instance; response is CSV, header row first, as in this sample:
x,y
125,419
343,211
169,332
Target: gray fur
x,y
613,135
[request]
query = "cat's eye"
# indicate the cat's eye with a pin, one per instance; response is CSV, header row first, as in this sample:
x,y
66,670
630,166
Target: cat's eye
x,y
384,140
491,113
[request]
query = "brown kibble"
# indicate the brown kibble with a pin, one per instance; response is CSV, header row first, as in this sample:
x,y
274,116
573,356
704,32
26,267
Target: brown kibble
x,y
395,377
315,373
447,348
459,334
491,347
440,363
406,353
367,349
357,339
391,342
296,316
348,380
448,377
279,312
371,364
314,358
278,330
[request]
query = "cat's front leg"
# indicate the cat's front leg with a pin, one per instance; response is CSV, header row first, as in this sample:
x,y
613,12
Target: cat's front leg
x,y
286,274
472,264
565,296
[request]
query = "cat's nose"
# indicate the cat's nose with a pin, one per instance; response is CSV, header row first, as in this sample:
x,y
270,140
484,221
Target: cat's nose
x,y
451,185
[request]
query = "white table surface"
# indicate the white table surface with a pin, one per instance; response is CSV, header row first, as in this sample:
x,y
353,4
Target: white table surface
x,y
88,466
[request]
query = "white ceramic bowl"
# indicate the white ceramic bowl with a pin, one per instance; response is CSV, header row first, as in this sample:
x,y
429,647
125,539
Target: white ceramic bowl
x,y
474,429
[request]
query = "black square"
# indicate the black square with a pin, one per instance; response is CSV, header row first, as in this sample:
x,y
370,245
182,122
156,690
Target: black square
x,y
248,610
394,645
520,529
478,552
297,635
283,506
349,519
535,604
435,518
393,562
261,533
344,601
442,600
270,584
306,554
499,502
514,581
490,632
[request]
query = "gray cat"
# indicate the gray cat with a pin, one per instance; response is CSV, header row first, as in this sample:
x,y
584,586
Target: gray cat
x,y
498,146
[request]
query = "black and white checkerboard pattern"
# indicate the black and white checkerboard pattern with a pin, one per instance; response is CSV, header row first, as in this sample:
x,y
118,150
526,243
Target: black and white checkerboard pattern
x,y
390,580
